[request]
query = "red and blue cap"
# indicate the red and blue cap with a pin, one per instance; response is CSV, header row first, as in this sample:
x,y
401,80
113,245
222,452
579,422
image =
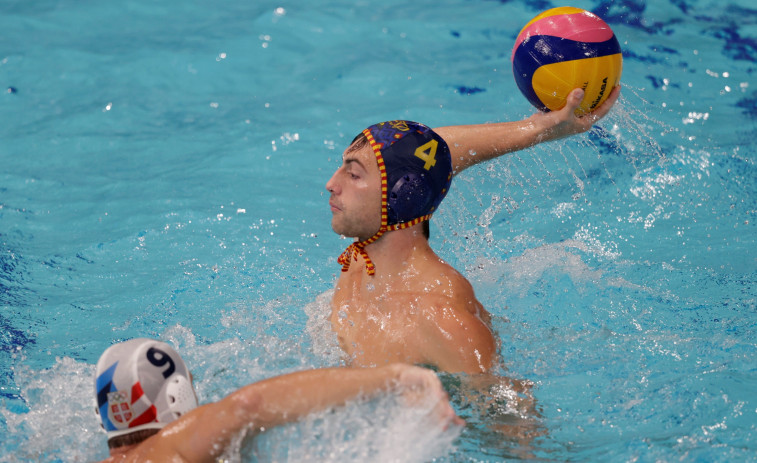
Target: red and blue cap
x,y
415,165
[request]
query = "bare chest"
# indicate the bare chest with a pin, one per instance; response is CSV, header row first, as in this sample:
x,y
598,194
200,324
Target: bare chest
x,y
376,327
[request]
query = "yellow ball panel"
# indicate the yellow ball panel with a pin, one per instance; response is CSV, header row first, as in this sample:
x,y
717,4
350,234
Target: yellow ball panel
x,y
597,76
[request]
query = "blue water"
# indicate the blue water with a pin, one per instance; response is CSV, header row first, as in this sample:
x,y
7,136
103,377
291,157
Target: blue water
x,y
163,172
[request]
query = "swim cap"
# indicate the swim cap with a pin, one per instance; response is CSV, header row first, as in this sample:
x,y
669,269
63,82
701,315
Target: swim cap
x,y
141,384
416,171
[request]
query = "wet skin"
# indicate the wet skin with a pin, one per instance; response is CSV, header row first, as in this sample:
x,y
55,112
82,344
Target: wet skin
x,y
416,308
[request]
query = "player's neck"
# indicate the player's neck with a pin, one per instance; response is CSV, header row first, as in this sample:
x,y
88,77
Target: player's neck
x,y
391,253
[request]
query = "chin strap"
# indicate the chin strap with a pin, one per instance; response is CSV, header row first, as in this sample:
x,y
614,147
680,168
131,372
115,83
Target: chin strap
x,y
358,247
352,252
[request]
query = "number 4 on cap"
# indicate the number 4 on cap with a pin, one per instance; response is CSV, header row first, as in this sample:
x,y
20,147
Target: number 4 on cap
x,y
427,153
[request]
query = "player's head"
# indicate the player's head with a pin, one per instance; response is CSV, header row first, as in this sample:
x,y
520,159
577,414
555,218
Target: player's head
x,y
141,384
415,169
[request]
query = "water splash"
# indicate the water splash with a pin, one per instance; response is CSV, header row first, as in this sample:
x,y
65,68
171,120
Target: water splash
x,y
386,430
61,423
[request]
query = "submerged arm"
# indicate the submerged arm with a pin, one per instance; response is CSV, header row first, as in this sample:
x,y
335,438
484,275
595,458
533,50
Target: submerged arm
x,y
471,144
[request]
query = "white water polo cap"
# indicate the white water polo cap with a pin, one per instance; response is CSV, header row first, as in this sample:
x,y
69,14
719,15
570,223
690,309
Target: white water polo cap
x,y
141,384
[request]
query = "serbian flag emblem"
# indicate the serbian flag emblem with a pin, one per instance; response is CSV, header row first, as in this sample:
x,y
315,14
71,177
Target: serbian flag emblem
x,y
131,408
119,407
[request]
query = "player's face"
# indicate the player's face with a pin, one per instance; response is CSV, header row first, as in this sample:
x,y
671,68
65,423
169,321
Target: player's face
x,y
356,195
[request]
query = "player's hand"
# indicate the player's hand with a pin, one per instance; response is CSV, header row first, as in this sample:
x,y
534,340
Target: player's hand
x,y
564,122
421,386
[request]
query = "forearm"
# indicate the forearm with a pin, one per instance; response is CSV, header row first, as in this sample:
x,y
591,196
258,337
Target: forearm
x,y
471,144
206,431
287,398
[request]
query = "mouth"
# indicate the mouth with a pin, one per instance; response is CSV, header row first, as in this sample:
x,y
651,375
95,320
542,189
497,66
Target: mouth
x,y
334,207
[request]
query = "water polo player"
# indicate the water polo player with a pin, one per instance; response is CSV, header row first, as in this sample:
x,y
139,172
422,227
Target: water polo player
x,y
148,407
395,299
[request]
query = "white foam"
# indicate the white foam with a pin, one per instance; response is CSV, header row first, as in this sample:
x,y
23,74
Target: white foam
x,y
383,430
61,423
520,273
324,341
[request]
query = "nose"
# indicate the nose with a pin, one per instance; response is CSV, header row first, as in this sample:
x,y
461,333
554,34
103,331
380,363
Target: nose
x,y
331,185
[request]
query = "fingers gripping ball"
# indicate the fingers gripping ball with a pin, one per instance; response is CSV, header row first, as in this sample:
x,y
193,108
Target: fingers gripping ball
x,y
562,49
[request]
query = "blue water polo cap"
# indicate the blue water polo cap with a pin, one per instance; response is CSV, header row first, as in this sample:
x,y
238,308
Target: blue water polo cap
x,y
418,169
415,165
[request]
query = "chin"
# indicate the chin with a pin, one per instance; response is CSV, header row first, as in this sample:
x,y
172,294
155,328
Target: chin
x,y
339,230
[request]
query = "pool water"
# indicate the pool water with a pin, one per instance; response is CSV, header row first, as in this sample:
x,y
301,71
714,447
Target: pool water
x,y
163,176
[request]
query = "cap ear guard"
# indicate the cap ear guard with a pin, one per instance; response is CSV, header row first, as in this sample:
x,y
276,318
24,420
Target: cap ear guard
x,y
410,196
180,397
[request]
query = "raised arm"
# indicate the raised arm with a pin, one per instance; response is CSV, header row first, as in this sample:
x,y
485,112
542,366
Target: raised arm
x,y
290,397
471,144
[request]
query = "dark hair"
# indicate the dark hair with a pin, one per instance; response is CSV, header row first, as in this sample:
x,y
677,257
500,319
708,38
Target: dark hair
x,y
132,438
358,142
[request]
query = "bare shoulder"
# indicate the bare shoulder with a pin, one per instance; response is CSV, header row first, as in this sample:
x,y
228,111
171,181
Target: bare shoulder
x,y
448,288
456,327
